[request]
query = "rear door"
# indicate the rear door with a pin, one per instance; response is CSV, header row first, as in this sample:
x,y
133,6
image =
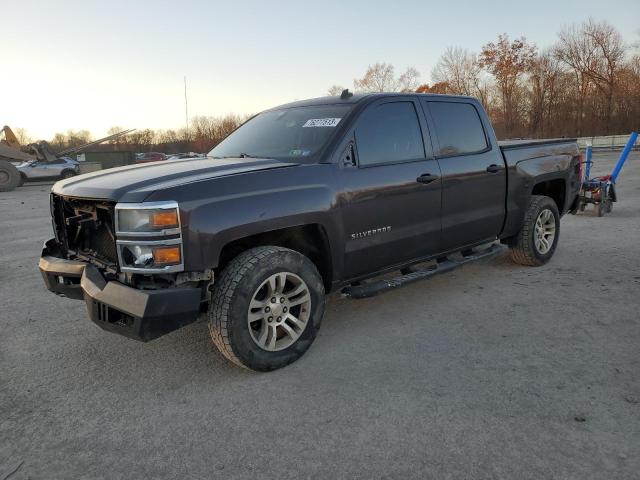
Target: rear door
x,y
474,178
390,201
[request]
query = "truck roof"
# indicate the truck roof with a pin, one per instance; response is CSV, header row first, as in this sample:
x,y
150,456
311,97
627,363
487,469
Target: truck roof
x,y
360,97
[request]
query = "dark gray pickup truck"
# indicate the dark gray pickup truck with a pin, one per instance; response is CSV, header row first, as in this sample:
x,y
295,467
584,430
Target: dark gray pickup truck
x,y
303,199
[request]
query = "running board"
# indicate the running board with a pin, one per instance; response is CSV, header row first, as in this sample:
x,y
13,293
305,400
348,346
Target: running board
x,y
444,264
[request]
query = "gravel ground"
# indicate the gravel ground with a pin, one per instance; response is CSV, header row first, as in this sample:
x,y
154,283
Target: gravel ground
x,y
492,371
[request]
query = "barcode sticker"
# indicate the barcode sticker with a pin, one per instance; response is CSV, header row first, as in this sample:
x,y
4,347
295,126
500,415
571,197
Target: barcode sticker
x,y
321,122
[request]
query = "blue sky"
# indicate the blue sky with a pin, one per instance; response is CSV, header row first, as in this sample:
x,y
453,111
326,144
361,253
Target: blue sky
x,y
85,64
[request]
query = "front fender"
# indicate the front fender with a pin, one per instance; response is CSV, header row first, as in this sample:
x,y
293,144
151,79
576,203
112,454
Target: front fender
x,y
218,211
221,221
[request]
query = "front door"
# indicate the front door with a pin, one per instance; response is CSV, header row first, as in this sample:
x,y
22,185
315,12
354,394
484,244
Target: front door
x,y
39,169
390,202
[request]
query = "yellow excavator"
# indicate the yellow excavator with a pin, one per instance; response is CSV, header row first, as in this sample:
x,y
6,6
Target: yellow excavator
x,y
11,151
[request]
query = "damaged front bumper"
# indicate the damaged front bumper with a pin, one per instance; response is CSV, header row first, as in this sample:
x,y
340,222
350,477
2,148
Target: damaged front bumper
x,y
115,307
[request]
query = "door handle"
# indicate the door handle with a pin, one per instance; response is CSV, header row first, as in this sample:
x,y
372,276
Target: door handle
x,y
426,178
493,168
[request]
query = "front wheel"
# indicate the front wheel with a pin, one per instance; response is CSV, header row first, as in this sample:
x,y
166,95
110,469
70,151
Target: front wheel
x,y
67,174
537,240
266,308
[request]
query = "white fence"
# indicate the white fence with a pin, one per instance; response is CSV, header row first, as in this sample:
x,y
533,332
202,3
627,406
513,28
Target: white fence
x,y
609,142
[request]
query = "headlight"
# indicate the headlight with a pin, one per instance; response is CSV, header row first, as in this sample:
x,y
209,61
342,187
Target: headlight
x,y
149,255
146,220
148,237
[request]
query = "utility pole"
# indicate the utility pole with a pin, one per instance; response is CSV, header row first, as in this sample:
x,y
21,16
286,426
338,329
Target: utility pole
x,y
186,108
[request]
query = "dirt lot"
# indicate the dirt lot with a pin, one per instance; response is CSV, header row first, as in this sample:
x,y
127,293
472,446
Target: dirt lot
x,y
492,371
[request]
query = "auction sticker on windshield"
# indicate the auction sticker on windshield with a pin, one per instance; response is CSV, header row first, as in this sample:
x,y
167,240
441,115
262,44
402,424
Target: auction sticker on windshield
x,y
321,122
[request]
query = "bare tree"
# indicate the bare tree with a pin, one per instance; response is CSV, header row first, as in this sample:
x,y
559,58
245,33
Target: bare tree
x,y
381,78
118,141
459,69
508,61
408,81
72,138
335,90
610,51
576,51
545,73
207,132
378,78
23,136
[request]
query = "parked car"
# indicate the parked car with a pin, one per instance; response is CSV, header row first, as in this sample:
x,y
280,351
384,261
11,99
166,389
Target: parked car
x,y
180,156
150,157
302,199
63,167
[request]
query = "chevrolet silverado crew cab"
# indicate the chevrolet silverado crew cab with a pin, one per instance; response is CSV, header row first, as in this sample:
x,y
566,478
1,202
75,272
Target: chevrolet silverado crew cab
x,y
302,199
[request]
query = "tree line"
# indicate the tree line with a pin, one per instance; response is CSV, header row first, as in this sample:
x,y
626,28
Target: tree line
x,y
202,135
586,84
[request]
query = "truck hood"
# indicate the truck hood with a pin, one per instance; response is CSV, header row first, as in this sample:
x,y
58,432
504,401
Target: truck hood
x,y
133,183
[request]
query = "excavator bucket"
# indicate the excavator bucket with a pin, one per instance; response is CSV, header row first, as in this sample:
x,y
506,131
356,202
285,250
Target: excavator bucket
x,y
10,138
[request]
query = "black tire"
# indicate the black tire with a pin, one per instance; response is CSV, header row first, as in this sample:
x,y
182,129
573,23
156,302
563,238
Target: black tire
x,y
600,209
9,176
233,291
608,206
523,249
608,203
67,174
22,179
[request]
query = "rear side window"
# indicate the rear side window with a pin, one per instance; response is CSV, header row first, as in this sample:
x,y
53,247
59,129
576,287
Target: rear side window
x,y
389,133
458,128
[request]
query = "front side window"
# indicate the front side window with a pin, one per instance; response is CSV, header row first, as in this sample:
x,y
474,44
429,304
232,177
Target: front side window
x,y
388,133
458,128
297,133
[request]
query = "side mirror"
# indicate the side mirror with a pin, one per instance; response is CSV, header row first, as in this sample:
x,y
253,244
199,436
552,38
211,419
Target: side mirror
x,y
348,157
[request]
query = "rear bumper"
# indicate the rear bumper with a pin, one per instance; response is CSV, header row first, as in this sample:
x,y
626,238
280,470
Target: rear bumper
x,y
115,307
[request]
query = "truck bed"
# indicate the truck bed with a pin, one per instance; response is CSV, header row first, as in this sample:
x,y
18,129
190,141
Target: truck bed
x,y
515,151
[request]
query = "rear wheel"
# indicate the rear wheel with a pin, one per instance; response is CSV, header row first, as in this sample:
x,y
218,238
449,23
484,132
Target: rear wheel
x,y
608,201
608,207
266,308
9,176
537,240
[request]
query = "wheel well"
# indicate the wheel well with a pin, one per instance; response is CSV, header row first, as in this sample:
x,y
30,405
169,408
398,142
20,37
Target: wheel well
x,y
552,188
309,240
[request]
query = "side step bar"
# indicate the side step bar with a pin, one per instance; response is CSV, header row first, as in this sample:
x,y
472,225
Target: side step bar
x,y
444,264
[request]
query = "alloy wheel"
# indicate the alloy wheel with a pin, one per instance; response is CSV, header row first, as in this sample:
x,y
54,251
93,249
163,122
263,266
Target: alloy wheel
x,y
545,231
279,311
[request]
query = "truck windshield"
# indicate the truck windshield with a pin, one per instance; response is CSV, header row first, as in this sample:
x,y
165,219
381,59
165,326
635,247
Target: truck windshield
x,y
297,133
